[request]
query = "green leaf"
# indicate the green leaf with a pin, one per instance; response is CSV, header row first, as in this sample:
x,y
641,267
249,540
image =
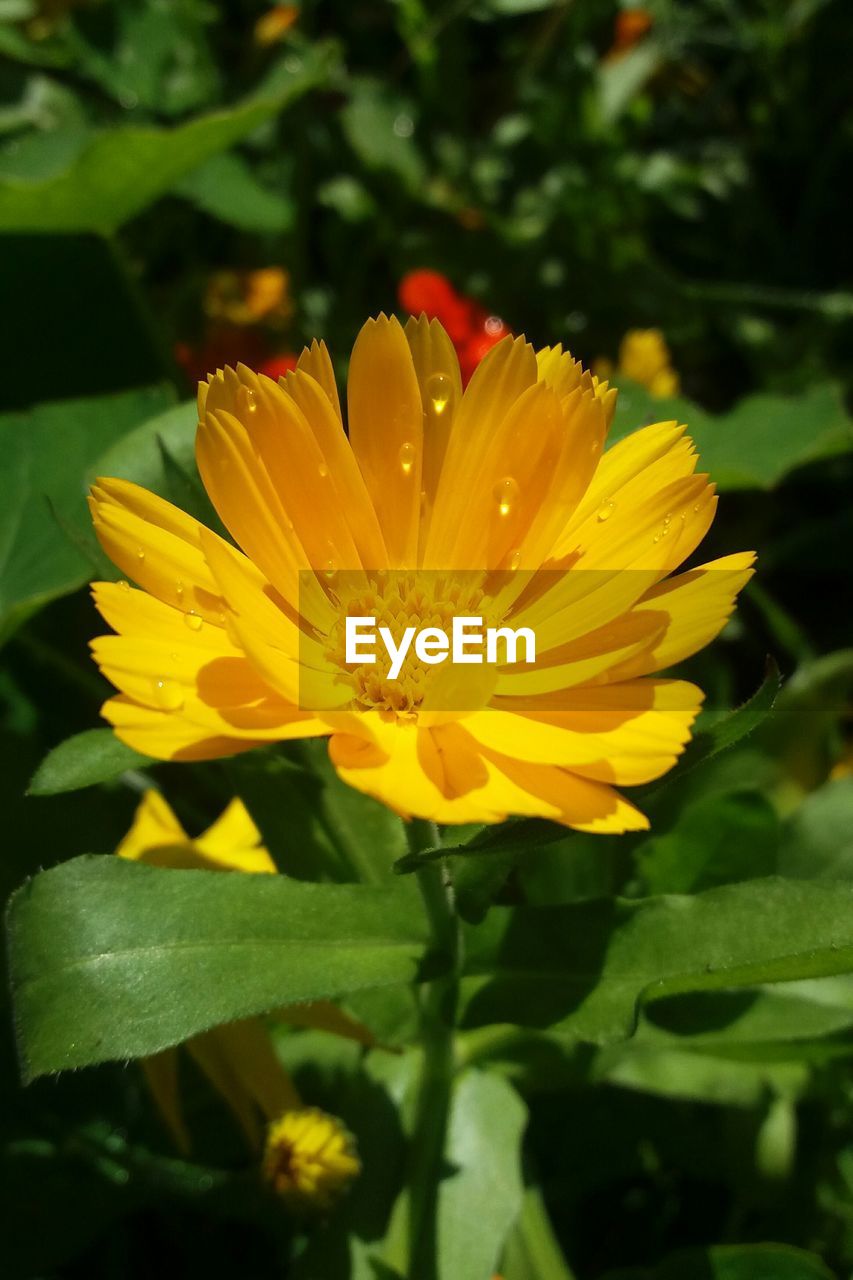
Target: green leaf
x,y
589,967
817,841
718,840
379,126
758,442
226,188
483,1185
138,455
111,959
93,756
726,731
124,170
735,1262
160,455
47,547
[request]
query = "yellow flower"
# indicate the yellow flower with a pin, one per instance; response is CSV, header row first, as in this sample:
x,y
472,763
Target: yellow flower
x,y
309,1158
644,357
238,1059
506,491
274,25
249,297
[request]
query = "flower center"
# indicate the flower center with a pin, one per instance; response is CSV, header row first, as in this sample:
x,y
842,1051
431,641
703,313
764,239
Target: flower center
x,y
398,600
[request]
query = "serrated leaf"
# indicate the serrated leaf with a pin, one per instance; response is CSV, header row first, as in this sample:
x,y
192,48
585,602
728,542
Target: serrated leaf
x,y
111,959
94,756
589,967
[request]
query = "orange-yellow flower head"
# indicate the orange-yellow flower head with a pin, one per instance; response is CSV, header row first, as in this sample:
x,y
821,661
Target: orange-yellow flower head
x,y
309,1159
432,505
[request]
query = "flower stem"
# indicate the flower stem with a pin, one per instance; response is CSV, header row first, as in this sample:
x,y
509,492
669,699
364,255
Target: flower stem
x,y
413,1235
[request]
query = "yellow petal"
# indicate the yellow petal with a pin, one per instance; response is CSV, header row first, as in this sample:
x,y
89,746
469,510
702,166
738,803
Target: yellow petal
x,y
505,373
386,432
440,382
322,1015
341,469
161,1075
154,824
694,607
316,362
156,545
629,742
169,737
565,374
569,799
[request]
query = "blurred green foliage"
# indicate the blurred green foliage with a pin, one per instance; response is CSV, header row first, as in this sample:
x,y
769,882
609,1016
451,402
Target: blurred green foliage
x,y
579,185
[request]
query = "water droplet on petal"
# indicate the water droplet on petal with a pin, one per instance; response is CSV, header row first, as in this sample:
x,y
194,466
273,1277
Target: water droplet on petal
x,y
505,493
168,694
124,584
439,389
407,457
514,559
179,591
656,538
193,620
605,511
667,518
696,508
246,400
140,554
323,470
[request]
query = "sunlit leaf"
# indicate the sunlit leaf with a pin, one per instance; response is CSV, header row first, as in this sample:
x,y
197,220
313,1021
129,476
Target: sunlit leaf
x,y
94,756
112,959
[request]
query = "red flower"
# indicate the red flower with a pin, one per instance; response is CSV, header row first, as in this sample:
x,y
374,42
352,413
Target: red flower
x,y
277,366
469,326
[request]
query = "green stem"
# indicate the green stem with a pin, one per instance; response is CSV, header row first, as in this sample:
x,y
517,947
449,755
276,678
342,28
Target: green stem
x,y
412,1240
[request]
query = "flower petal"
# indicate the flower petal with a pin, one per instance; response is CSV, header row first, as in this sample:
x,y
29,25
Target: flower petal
x,y
386,432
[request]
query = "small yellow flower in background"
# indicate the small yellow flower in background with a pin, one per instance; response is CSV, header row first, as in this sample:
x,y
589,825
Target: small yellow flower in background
x,y
274,25
644,357
309,1158
249,297
213,654
238,1059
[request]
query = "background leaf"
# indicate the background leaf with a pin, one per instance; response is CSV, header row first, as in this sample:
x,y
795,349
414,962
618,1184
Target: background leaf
x,y
88,758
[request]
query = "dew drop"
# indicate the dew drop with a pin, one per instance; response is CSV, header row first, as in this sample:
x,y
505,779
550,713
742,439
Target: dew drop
x,y
322,470
514,559
193,620
505,493
439,389
124,584
696,508
656,538
605,511
168,695
140,554
668,518
407,457
247,400
179,591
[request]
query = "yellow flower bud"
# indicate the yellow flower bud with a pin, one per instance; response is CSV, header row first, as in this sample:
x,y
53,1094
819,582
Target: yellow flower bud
x,y
309,1158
